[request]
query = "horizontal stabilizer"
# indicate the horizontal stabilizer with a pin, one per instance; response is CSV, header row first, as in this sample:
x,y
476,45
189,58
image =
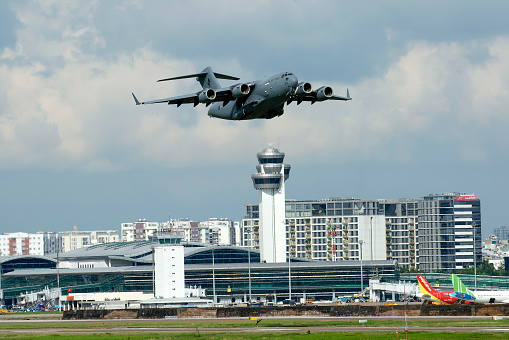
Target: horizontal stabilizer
x,y
201,74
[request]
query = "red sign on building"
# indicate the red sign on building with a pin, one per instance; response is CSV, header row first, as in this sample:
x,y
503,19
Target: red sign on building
x,y
466,198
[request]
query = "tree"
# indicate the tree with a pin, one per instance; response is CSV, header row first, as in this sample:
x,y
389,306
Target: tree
x,y
485,268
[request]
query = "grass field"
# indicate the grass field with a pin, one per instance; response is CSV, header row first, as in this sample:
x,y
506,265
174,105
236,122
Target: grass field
x,y
204,329
262,336
194,323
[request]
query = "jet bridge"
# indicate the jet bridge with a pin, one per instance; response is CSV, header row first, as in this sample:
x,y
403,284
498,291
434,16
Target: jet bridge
x,y
379,291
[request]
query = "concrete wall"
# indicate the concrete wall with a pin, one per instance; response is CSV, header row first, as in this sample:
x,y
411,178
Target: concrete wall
x,y
335,311
353,310
465,310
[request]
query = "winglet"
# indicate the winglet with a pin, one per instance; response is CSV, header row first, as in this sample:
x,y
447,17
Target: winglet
x,y
348,94
136,99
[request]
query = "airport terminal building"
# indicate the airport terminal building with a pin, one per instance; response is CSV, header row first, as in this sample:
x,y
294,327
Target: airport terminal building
x,y
229,274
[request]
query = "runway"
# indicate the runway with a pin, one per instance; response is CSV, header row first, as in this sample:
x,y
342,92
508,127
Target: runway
x,y
9,325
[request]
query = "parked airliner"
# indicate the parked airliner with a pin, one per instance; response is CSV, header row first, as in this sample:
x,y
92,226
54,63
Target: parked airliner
x,y
478,296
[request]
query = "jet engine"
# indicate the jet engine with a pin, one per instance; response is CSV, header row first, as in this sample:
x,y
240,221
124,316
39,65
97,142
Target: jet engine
x,y
303,88
206,96
241,90
323,93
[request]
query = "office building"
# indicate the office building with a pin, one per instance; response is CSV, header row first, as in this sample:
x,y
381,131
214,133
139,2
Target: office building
x,y
502,233
449,232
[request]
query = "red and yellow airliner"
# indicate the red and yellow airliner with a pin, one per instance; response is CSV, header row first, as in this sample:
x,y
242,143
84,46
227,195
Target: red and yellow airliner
x,y
428,293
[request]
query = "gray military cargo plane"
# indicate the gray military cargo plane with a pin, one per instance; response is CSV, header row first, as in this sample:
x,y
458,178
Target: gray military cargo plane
x,y
263,98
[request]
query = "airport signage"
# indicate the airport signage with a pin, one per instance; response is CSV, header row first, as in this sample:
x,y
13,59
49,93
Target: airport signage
x,y
466,198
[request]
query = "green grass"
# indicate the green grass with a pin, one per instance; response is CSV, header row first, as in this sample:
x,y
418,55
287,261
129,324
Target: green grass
x,y
263,336
47,324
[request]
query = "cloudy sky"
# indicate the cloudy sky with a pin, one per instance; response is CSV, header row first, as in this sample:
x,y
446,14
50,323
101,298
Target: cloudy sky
x,y
429,81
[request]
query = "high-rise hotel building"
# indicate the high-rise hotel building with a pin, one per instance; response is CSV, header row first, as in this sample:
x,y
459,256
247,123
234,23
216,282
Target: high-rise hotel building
x,y
449,232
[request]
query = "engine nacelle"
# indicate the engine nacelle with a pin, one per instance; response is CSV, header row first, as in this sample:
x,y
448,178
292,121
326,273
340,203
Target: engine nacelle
x,y
241,90
324,93
303,88
206,96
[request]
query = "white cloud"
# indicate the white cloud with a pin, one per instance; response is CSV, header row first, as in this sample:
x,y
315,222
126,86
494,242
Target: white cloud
x,y
78,112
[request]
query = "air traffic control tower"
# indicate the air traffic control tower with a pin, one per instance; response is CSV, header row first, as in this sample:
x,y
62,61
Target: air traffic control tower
x,y
270,180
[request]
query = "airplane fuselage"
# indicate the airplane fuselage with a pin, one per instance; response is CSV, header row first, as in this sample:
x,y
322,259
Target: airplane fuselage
x,y
491,296
265,101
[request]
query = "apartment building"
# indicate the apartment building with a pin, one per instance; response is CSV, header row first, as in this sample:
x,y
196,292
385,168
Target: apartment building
x,y
75,239
21,244
141,230
220,231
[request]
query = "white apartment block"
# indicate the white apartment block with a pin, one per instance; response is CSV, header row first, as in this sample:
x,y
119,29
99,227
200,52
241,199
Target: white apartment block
x,y
71,240
142,230
213,231
21,244
221,231
339,229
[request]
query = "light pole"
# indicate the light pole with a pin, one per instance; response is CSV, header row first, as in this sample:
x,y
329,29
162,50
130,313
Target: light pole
x,y
362,274
371,238
289,271
475,258
249,268
213,276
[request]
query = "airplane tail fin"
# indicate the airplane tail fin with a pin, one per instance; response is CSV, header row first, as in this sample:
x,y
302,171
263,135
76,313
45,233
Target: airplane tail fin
x,y
459,287
207,78
425,287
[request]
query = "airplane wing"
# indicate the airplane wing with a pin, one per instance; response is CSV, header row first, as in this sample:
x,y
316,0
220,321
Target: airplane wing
x,y
318,95
205,96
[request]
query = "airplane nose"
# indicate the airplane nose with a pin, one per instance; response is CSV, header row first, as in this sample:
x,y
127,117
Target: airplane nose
x,y
294,81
